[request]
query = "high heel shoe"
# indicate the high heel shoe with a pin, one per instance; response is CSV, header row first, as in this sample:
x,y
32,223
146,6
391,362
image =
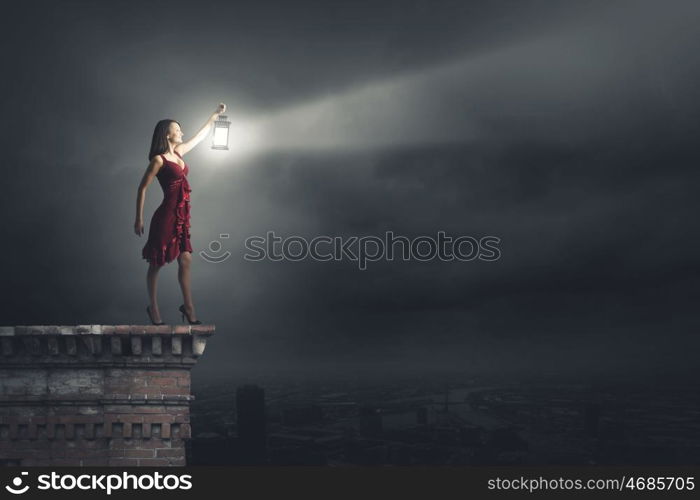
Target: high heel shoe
x,y
148,310
184,313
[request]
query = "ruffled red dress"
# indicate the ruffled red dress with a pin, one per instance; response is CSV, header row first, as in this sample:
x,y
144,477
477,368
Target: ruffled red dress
x,y
169,233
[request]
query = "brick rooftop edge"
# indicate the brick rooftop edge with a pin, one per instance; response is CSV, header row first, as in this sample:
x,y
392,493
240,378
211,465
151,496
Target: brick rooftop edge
x,y
115,395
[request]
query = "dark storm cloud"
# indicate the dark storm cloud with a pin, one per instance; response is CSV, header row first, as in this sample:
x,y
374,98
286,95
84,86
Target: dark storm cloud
x,y
568,131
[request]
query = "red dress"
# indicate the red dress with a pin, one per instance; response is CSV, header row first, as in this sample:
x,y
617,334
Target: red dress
x,y
169,233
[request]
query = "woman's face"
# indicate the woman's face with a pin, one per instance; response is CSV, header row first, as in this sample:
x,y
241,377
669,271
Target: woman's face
x,y
174,133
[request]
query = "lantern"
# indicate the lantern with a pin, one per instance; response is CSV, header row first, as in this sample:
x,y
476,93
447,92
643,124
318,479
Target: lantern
x,y
221,128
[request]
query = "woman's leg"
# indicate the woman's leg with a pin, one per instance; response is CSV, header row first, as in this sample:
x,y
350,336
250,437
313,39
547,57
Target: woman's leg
x,y
183,275
152,283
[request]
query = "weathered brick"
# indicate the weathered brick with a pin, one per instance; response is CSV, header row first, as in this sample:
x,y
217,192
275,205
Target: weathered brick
x,y
149,444
123,462
159,418
178,461
86,453
153,462
75,407
168,452
141,453
155,392
94,462
162,381
185,431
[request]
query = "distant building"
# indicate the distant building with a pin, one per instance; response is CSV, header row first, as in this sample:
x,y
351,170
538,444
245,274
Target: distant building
x,y
250,419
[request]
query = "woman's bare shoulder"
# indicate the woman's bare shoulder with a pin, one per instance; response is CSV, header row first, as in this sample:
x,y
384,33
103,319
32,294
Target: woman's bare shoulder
x,y
156,163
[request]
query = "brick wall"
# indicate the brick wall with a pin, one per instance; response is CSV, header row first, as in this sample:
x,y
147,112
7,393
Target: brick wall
x,y
97,394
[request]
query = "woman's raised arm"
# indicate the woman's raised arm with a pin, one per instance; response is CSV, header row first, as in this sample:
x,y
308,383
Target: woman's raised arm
x,y
186,146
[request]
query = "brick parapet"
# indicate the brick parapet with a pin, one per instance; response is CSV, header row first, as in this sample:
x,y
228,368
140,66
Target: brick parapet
x,y
97,394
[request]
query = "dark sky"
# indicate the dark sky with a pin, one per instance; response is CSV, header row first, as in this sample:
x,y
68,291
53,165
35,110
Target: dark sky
x,y
567,129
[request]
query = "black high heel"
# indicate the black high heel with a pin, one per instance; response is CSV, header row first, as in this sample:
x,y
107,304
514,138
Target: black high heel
x,y
148,310
184,313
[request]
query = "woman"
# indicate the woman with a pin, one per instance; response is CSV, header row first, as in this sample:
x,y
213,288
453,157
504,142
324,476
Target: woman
x,y
169,233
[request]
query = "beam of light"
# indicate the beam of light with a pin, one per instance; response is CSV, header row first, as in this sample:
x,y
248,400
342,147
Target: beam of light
x,y
388,113
538,86
438,105
410,109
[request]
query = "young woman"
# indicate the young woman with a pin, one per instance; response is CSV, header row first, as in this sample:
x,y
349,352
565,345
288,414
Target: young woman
x,y
169,232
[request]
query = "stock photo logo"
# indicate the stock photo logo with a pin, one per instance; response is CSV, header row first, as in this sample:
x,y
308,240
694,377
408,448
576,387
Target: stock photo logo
x,y
16,488
109,483
215,247
364,249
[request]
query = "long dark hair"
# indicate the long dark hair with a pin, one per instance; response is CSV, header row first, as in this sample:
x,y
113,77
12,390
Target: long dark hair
x,y
159,143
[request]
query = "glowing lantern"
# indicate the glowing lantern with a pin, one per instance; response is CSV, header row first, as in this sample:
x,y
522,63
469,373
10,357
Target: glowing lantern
x,y
221,129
